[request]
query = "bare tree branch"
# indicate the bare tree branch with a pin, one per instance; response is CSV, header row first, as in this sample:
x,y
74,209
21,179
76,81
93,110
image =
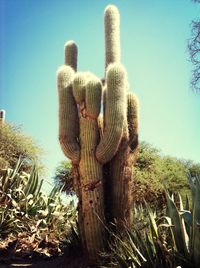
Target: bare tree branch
x,y
194,51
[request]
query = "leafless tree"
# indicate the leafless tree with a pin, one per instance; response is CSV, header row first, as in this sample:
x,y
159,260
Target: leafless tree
x,y
194,51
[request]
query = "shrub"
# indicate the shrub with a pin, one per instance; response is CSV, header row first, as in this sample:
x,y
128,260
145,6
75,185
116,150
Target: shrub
x,y
154,172
13,144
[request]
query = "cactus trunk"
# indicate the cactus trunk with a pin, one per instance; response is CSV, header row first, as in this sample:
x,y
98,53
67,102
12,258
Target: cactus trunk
x,y
120,175
91,189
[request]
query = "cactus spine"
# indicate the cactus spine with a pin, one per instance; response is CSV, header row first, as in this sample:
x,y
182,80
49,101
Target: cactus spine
x,y
102,151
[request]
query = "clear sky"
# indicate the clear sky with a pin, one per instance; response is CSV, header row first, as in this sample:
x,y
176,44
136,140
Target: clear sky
x,y
154,37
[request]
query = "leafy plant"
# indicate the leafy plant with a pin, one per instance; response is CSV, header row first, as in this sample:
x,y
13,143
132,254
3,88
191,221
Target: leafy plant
x,y
38,221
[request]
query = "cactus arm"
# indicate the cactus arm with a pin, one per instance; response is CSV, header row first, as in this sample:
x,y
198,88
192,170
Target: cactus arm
x,y
71,54
115,113
79,85
93,98
100,125
68,114
115,93
132,117
112,35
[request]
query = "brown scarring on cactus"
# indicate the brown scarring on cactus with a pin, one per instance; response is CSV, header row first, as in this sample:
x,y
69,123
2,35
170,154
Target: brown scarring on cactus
x,y
102,150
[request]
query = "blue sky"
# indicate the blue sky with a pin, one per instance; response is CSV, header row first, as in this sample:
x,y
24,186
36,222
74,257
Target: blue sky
x,y
154,37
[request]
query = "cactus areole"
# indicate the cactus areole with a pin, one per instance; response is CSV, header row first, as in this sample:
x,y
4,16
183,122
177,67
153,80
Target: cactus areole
x,y
102,150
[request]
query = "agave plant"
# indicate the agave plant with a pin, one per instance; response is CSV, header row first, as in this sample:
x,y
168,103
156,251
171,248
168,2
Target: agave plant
x,y
40,222
172,240
143,247
185,226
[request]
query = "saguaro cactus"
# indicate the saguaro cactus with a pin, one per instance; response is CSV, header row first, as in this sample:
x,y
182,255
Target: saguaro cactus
x,y
2,117
90,143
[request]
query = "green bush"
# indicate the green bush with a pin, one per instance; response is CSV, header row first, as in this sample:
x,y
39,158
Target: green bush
x,y
13,144
154,172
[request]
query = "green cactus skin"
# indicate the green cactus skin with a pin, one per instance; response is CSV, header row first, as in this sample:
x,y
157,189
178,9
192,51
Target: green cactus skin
x,y
115,112
112,35
68,115
71,54
2,117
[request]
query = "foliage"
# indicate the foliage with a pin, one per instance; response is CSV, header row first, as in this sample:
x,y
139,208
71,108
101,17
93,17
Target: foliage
x,y
167,241
153,172
13,144
39,222
64,177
